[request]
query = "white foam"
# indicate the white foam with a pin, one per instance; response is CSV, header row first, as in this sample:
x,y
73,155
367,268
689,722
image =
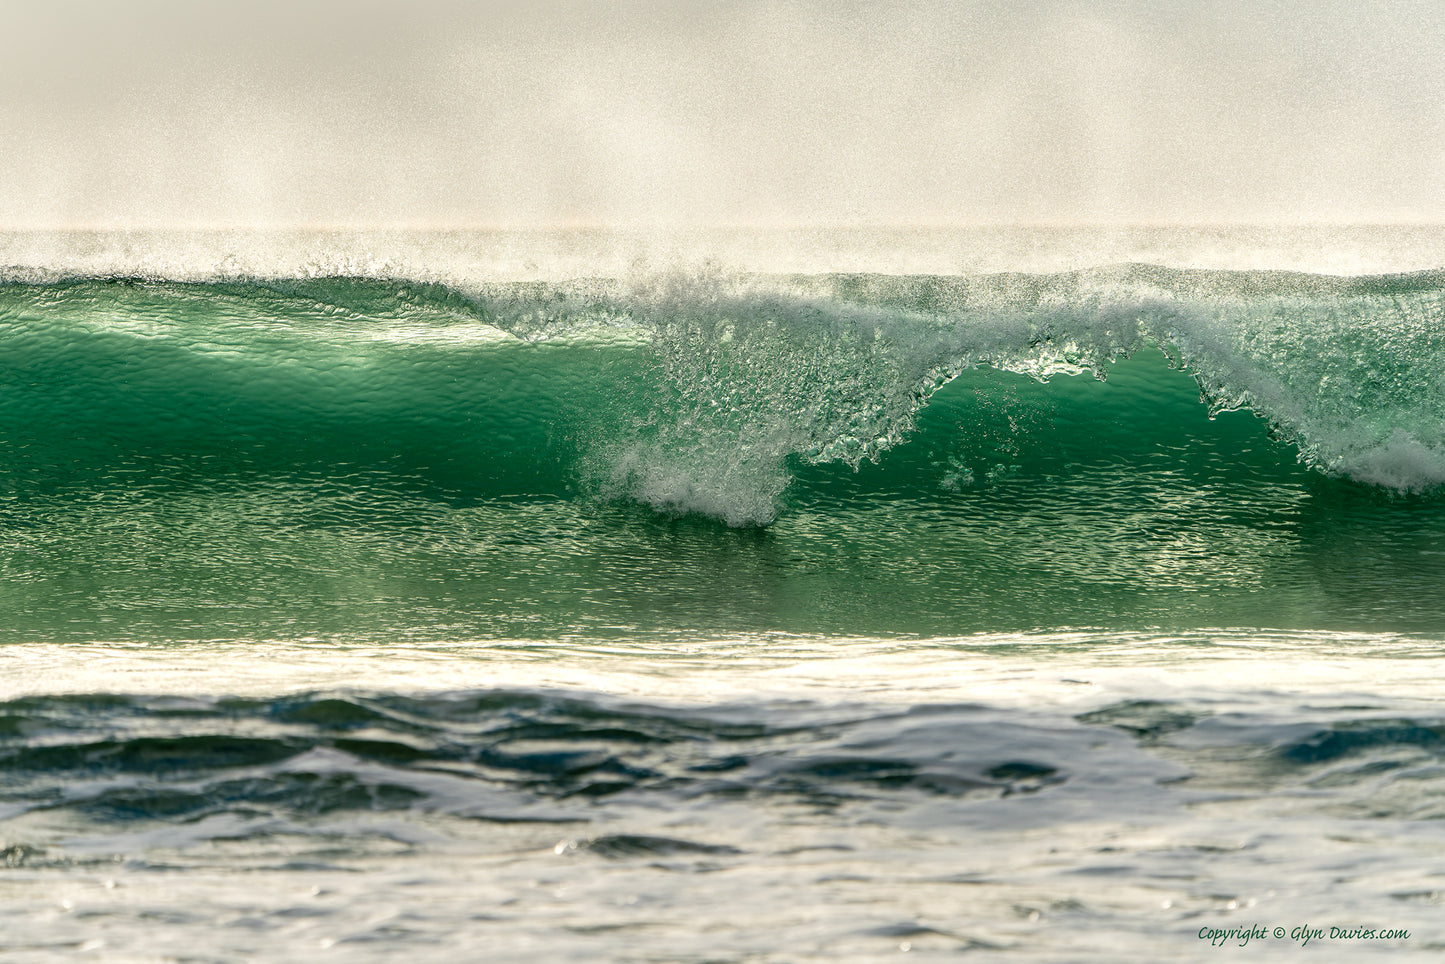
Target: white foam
x,y
1401,462
711,483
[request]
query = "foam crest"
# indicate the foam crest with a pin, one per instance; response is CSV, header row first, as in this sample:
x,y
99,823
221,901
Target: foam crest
x,y
1354,382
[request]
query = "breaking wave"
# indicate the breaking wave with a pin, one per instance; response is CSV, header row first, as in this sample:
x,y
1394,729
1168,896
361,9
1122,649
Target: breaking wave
x,y
696,392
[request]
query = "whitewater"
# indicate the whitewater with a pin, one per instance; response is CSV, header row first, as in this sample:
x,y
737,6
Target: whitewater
x,y
1042,594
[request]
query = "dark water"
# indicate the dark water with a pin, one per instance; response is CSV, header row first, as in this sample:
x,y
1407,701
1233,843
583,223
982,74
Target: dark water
x,y
719,617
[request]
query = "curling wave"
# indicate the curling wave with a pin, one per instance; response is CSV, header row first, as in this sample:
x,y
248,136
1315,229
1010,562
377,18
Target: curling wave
x,y
693,393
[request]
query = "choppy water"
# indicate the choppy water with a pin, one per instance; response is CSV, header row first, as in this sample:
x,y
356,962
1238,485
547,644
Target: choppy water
x,y
701,613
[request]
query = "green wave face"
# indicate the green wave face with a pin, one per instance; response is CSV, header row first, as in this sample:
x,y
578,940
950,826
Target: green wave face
x,y
375,459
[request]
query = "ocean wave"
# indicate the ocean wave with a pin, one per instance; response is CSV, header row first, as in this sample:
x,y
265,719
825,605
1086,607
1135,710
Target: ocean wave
x,y
698,392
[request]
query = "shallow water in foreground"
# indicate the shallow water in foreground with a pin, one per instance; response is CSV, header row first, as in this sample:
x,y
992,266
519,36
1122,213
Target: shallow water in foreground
x,y
1052,797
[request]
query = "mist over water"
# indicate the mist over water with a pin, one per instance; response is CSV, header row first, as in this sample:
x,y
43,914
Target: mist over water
x,y
561,113
476,256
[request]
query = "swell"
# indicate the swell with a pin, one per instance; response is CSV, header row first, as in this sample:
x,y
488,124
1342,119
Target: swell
x,y
700,392
188,772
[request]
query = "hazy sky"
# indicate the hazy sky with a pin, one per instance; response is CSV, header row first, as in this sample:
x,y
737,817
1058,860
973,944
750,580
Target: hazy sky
x,y
375,112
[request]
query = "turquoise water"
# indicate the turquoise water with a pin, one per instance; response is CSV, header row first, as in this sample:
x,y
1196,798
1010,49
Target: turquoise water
x,y
377,614
368,459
